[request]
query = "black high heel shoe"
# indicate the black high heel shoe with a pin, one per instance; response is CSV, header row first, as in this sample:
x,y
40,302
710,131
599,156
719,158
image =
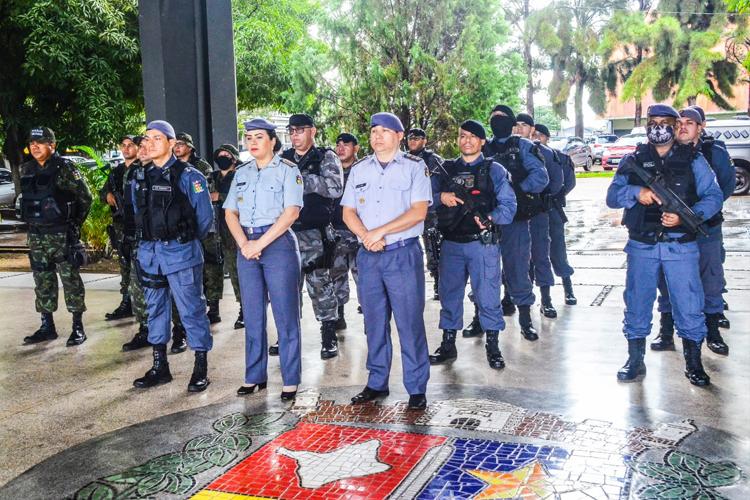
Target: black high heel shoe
x,y
249,389
288,395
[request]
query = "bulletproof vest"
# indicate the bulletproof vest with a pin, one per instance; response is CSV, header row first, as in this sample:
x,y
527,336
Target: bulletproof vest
x,y
481,189
432,160
128,208
317,209
43,204
164,211
508,155
644,221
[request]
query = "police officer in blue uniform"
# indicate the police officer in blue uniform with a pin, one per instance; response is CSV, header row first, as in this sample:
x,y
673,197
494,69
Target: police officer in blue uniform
x,y
470,246
659,242
525,164
711,267
385,204
558,253
539,224
264,200
173,213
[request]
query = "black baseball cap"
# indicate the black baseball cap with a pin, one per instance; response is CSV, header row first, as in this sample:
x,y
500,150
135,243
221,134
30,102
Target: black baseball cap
x,y
42,134
347,138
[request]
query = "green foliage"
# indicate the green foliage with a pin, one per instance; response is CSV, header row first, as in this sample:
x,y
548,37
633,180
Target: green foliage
x,y
94,230
547,116
739,6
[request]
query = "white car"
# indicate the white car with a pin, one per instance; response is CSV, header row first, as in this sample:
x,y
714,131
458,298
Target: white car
x,y
7,188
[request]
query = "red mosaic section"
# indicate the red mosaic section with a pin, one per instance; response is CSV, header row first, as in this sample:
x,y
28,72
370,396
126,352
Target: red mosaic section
x,y
268,473
367,413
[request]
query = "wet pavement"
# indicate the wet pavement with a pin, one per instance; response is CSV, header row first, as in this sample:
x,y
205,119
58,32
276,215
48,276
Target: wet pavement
x,y
555,423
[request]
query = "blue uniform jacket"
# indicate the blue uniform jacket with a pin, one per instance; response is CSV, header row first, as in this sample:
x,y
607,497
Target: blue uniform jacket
x,y
569,174
537,178
554,170
166,257
722,166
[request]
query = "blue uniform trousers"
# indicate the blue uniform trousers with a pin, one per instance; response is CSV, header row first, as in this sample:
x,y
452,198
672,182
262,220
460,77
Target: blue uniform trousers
x,y
558,253
275,276
711,271
392,282
679,264
516,253
481,263
186,288
540,250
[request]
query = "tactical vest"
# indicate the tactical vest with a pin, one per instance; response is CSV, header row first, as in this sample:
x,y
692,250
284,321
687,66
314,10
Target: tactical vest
x,y
222,187
432,160
508,155
164,211
707,145
43,204
317,209
480,187
117,174
128,208
337,219
644,221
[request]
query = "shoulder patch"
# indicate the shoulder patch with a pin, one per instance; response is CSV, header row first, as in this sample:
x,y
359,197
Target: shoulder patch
x,y
412,157
288,163
197,186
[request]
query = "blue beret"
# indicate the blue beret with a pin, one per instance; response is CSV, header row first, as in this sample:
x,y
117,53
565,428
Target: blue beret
x,y
691,114
662,110
386,120
475,128
259,124
700,112
542,129
162,126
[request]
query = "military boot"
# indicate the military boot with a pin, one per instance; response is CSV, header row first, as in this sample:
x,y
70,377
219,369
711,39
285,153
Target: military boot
x,y
179,340
447,350
213,312
714,341
570,299
436,287
509,309
77,336
159,372
199,379
494,356
240,323
527,328
665,340
46,331
273,350
693,366
634,366
341,322
140,340
546,307
124,310
475,328
329,343
723,322
724,303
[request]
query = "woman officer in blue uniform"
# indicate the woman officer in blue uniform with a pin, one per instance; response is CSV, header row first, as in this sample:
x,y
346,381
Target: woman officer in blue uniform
x,y
264,200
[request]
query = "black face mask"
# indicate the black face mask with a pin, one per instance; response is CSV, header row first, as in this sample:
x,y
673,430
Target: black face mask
x,y
502,126
224,162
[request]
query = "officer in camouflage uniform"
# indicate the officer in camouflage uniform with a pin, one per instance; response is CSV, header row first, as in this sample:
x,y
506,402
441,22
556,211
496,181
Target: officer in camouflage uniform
x,y
55,201
226,157
345,258
417,144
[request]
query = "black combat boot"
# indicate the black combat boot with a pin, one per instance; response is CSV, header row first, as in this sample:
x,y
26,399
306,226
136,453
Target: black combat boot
x,y
329,343
509,309
723,322
634,366
140,340
124,310
341,322
714,341
693,366
179,340
77,336
494,356
724,303
546,307
475,328
570,299
447,350
46,331
524,319
436,287
159,372
213,312
240,323
199,379
665,340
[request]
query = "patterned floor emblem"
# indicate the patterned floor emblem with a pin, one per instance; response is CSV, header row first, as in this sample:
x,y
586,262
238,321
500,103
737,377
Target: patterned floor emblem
x,y
526,482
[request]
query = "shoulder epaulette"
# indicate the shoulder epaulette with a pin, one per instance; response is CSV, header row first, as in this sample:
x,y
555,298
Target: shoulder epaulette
x,y
412,157
288,163
358,162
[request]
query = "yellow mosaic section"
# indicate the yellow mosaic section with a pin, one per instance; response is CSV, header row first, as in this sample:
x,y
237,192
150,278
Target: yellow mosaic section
x,y
220,495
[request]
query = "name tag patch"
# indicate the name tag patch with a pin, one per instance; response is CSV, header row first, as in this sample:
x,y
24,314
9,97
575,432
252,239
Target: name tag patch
x,y
163,189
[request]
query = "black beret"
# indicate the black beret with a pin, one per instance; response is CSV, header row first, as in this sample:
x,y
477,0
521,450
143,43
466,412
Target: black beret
x,y
525,118
542,129
347,138
138,139
417,132
475,128
301,120
504,109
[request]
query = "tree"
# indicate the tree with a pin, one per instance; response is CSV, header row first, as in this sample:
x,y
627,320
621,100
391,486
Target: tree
x,y
547,116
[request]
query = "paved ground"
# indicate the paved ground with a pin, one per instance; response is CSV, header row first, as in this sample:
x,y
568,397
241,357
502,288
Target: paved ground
x,y
554,422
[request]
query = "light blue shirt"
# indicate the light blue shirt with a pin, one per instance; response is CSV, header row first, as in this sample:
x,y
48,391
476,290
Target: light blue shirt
x,y
381,195
261,195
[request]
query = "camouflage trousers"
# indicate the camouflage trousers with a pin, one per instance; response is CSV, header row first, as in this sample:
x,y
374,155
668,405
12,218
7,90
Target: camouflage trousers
x,y
319,283
47,258
213,271
230,265
343,262
137,299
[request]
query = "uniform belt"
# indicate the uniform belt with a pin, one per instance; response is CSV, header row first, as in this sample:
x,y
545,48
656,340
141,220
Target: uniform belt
x,y
256,230
399,244
462,238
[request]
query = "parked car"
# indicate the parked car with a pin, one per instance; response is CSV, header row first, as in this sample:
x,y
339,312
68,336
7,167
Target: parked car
x,y
577,149
599,143
624,145
736,134
81,161
7,188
